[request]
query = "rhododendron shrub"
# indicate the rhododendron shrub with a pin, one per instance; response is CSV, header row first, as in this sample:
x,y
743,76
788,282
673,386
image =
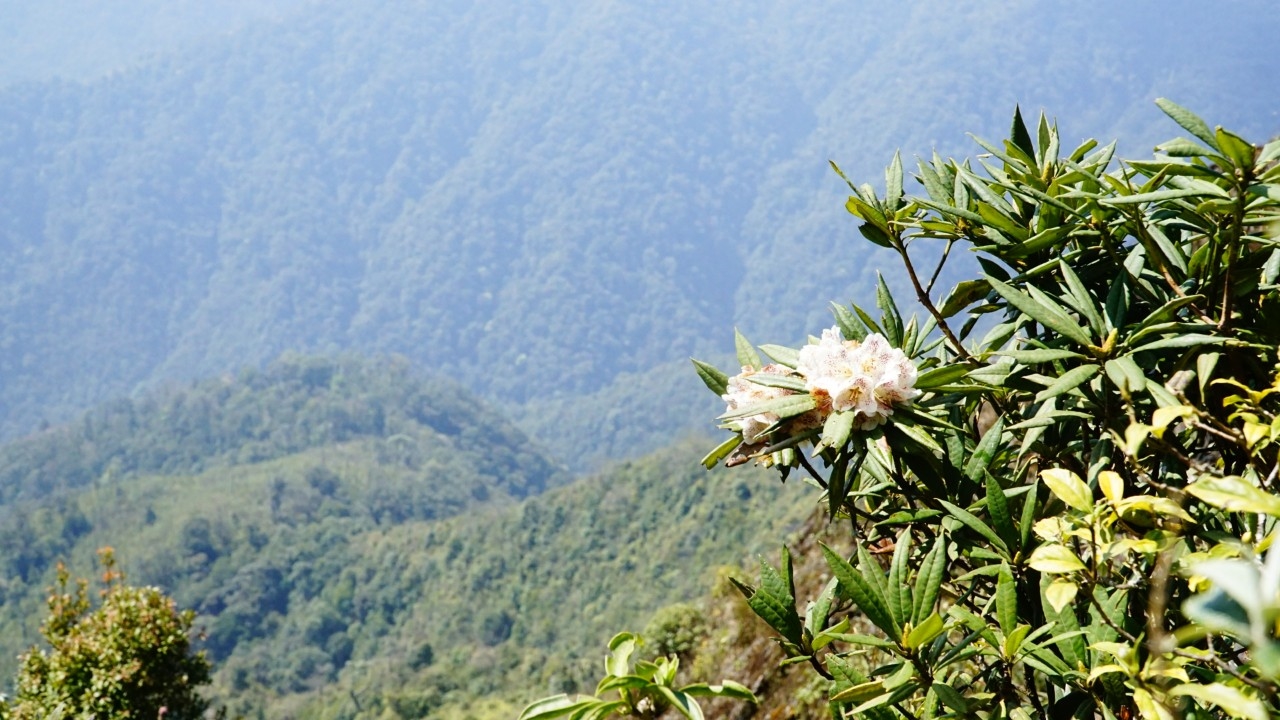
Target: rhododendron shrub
x,y
1066,464
1080,495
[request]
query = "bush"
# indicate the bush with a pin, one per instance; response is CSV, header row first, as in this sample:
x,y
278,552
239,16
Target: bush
x,y
1061,481
129,658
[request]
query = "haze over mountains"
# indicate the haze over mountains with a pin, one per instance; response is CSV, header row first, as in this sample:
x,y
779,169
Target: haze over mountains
x,y
529,197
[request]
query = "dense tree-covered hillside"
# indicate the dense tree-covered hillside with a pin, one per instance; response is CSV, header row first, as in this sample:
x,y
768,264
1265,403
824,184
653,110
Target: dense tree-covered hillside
x,y
356,539
529,197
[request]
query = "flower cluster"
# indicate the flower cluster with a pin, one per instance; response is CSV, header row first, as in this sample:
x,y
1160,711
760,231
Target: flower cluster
x,y
866,378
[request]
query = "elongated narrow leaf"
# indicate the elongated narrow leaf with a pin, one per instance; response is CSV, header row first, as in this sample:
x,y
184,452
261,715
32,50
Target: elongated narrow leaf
x,y
836,430
850,327
1189,121
899,590
554,707
782,355
684,704
929,580
1155,196
998,509
1083,299
893,182
855,588
939,376
727,688
721,451
1050,318
892,319
1032,357
1006,600
982,455
1070,380
971,521
787,382
747,356
715,380
784,407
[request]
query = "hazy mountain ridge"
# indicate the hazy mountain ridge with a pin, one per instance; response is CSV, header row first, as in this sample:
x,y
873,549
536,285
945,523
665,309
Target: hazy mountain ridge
x,y
529,198
385,540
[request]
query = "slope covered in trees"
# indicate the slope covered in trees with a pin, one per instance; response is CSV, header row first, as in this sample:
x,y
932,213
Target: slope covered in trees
x,y
357,540
531,198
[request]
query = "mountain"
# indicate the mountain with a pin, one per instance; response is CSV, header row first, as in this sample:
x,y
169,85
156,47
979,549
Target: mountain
x,y
358,540
541,201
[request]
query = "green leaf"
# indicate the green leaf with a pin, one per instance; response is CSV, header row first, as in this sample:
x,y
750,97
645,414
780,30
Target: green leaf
x,y
1182,147
1126,375
1234,494
893,182
727,688
1070,380
554,707
986,450
747,356
782,355
1028,515
784,407
1069,488
1054,559
1232,701
1006,600
1235,147
1054,318
1019,135
1181,341
1033,357
855,587
1083,299
715,380
686,705
998,509
891,319
951,698
977,525
850,327
943,375
924,633
929,579
1155,196
621,648
836,430
1189,122
787,382
721,451
963,295
898,590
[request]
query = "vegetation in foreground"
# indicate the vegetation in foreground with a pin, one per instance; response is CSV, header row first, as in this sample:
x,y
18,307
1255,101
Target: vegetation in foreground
x,y
1061,482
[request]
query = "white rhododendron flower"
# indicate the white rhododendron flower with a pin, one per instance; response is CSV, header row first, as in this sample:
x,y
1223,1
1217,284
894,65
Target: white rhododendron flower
x,y
868,378
744,393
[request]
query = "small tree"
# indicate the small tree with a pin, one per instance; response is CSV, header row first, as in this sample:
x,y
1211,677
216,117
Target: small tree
x,y
1072,460
129,658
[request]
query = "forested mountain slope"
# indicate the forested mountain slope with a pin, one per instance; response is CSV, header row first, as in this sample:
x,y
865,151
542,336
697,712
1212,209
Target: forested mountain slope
x,y
379,545
533,198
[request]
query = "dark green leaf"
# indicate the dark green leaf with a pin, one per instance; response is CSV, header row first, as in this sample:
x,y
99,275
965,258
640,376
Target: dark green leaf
x,y
721,451
784,407
855,587
715,380
1069,381
1054,318
971,521
1006,600
929,579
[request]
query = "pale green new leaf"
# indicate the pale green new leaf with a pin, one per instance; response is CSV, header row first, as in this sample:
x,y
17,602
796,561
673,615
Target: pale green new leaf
x,y
1231,700
1069,488
1234,494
